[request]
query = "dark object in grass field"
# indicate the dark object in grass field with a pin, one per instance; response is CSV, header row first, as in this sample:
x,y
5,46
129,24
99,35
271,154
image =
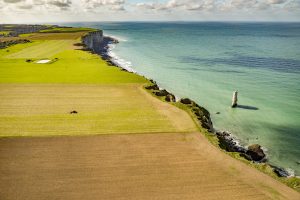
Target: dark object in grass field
x,y
79,44
28,60
73,112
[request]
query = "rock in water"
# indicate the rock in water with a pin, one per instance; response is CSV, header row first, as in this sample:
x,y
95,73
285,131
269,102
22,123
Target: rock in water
x,y
255,152
280,171
234,99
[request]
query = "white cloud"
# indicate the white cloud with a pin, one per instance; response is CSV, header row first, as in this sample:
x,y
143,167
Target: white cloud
x,y
174,4
243,3
39,2
225,5
60,3
152,6
15,5
276,1
169,5
12,1
189,5
111,4
117,7
25,6
201,5
77,10
293,5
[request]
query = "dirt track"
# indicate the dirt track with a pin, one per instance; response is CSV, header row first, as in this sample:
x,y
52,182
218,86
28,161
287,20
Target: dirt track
x,y
147,166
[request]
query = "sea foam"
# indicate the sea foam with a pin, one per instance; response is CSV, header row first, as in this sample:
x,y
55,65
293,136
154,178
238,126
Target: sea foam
x,y
119,61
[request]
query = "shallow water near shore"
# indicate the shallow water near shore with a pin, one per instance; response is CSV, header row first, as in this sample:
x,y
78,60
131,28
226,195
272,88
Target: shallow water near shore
x,y
208,61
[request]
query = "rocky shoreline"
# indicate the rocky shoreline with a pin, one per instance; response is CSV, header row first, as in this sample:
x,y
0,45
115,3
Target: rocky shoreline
x,y
252,153
99,44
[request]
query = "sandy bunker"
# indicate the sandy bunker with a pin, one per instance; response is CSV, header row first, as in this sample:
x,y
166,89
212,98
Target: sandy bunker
x,y
43,61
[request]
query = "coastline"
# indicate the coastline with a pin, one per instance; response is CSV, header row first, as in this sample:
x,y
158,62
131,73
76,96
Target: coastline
x,y
223,139
79,127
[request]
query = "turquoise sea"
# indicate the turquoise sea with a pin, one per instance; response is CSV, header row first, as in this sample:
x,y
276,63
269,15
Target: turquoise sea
x,y
208,61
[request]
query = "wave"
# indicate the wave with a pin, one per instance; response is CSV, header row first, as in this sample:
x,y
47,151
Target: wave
x,y
119,61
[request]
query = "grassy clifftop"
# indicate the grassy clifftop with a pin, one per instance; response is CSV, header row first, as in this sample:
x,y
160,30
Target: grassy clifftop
x,y
67,30
37,99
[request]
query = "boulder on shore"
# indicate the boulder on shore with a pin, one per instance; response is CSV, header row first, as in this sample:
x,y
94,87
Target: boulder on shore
x,y
227,142
255,152
170,98
161,93
280,172
152,81
186,101
152,87
206,123
202,115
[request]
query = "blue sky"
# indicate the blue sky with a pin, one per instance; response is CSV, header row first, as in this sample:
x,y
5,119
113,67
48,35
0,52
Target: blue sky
x,y
34,11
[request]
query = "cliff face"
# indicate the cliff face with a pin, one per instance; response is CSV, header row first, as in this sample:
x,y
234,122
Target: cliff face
x,y
94,41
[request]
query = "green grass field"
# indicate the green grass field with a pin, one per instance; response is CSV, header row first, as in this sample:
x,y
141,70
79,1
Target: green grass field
x,y
42,49
4,32
36,99
24,35
44,110
66,29
73,66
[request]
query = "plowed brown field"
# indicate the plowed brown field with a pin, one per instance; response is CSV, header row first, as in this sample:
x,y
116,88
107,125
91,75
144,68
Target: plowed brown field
x,y
136,166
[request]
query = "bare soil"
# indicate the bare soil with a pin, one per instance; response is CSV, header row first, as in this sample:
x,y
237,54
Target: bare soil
x,y
135,166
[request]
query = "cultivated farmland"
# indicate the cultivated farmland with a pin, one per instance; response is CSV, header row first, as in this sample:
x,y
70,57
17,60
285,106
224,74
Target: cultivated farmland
x,y
44,110
135,166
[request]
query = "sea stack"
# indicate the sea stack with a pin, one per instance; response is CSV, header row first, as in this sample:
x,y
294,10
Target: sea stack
x,y
234,99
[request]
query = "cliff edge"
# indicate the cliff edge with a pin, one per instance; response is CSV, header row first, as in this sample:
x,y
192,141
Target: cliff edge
x,y
94,41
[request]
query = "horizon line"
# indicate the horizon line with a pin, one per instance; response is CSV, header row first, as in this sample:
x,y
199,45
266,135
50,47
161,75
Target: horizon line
x,y
159,21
